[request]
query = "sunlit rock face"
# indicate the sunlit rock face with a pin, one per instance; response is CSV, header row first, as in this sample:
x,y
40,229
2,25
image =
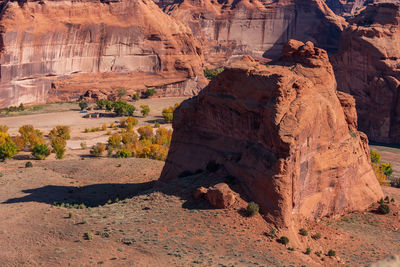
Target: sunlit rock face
x,y
47,40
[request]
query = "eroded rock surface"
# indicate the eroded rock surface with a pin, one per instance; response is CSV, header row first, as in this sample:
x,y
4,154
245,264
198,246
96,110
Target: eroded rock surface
x,y
228,29
367,67
282,131
67,47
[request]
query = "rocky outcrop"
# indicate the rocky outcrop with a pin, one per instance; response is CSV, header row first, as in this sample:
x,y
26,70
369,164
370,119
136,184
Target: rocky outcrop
x,y
282,132
228,29
347,7
367,67
67,47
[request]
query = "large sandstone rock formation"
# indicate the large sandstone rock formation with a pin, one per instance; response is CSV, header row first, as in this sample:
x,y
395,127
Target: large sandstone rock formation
x,y
67,47
283,132
367,67
258,28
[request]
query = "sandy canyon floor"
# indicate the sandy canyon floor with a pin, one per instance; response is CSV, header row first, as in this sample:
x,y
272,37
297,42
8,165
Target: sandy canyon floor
x,y
130,219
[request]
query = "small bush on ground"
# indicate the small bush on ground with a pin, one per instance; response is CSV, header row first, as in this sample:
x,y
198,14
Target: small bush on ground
x,y
163,136
383,209
168,113
114,141
124,153
145,110
98,149
149,92
252,209
316,236
331,253
121,92
28,164
58,144
375,157
136,96
61,131
308,251
303,232
122,108
83,105
156,125
8,148
40,151
387,169
145,132
283,240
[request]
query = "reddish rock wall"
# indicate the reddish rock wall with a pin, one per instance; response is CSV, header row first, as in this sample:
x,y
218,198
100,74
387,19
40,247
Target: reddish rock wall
x,y
282,131
47,40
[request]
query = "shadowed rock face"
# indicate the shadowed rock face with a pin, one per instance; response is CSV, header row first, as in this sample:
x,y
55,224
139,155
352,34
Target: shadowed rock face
x,y
228,29
347,7
46,40
367,67
283,132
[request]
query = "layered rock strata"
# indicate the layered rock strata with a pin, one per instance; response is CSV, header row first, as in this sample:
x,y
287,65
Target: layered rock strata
x,y
368,67
42,41
283,132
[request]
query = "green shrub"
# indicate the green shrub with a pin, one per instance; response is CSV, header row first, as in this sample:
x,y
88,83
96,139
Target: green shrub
x,y
156,125
122,108
83,105
101,104
28,164
303,232
252,209
283,240
387,169
136,96
145,110
58,144
383,209
121,92
124,153
308,251
272,233
316,236
150,92
210,74
8,148
40,151
375,157
331,253
88,236
114,141
61,131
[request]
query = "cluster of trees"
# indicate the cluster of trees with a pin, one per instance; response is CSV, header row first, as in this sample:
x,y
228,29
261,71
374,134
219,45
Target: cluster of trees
x,y
168,113
210,74
31,139
145,143
382,170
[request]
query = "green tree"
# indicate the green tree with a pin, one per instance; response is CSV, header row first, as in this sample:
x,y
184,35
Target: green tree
x,y
150,92
7,148
40,151
121,92
387,169
83,105
375,157
145,110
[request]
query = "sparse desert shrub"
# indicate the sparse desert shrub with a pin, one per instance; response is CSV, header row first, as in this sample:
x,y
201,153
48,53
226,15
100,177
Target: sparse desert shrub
x,y
61,131
19,141
331,253
153,151
146,132
124,153
163,136
283,240
108,132
383,209
124,123
375,157
168,113
83,105
149,92
156,125
145,110
136,96
114,141
121,92
308,251
83,145
3,128
303,232
58,144
98,149
212,166
387,169
129,138
316,236
88,236
40,151
8,148
252,209
28,164
210,74
272,233
104,127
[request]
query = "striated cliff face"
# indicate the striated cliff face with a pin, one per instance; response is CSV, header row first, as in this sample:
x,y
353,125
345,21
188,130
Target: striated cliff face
x,y
133,42
284,132
367,67
258,28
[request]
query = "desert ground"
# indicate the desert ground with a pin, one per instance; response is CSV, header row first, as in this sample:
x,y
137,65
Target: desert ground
x,y
124,217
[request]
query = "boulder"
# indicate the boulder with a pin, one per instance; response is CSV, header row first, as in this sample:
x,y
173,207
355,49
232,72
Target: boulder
x,y
200,192
282,131
220,196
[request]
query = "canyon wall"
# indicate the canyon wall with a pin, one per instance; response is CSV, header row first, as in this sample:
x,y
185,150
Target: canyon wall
x,y
284,132
228,29
368,67
133,42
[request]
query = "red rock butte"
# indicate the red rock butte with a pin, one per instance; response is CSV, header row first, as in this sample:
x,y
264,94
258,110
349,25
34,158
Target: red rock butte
x,y
284,132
